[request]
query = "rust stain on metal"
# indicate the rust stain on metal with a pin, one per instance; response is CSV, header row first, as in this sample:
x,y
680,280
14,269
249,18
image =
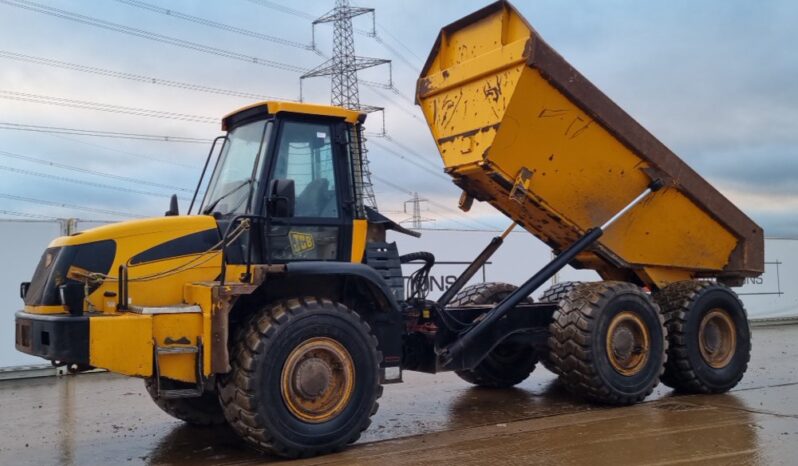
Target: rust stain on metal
x,y
492,91
468,133
449,108
577,127
552,113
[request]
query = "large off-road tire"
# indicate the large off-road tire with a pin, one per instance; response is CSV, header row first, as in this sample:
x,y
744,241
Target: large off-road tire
x,y
609,343
304,380
558,292
198,411
508,364
554,294
710,341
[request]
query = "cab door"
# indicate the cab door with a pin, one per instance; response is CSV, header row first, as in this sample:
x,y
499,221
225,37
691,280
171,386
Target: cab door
x,y
312,153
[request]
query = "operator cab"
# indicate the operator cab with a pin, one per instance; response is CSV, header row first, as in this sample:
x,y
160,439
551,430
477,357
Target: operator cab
x,y
290,168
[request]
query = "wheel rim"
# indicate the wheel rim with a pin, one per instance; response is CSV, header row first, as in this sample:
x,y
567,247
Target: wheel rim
x,y
717,338
628,343
317,379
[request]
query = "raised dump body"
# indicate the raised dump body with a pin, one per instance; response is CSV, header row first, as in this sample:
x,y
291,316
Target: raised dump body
x,y
518,127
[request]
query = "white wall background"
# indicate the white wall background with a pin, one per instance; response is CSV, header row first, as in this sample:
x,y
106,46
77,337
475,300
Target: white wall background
x,y
773,295
23,244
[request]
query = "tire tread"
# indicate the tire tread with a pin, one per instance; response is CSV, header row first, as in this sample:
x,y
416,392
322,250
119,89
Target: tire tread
x,y
236,390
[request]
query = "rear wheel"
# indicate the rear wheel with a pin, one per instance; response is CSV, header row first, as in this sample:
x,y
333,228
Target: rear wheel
x,y
508,364
710,341
608,342
305,378
557,292
199,411
554,294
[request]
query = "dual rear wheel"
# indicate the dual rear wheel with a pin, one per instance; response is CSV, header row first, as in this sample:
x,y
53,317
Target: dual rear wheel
x,y
612,342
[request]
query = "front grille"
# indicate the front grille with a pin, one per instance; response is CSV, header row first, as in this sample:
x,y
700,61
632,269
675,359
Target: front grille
x,y
40,276
23,334
51,272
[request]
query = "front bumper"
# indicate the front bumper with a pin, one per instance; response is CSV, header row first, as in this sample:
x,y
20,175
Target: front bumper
x,y
59,338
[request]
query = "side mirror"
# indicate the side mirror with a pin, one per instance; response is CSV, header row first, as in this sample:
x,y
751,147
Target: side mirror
x,y
173,210
282,198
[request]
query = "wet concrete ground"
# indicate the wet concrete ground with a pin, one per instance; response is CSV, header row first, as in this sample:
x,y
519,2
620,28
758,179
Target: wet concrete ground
x,y
432,419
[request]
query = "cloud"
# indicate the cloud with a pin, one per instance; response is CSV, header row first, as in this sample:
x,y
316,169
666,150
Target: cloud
x,y
713,80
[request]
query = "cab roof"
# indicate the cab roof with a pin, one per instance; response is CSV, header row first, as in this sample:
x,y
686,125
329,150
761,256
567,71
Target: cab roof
x,y
273,107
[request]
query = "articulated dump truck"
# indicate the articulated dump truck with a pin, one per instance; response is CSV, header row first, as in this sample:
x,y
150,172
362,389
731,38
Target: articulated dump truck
x,y
278,306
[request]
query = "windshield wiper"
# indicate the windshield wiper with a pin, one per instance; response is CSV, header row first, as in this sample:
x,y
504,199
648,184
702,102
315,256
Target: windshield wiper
x,y
213,204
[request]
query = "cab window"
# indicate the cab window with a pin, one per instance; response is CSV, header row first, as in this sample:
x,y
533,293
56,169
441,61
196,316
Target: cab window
x,y
305,155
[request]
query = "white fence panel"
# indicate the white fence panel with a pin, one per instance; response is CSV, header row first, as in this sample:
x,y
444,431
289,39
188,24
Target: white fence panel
x,y
24,242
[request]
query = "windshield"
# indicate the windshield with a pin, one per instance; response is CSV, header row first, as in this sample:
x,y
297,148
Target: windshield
x,y
236,172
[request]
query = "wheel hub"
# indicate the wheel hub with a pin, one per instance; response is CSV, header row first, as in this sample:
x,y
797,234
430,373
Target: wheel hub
x,y
312,377
317,379
627,343
717,338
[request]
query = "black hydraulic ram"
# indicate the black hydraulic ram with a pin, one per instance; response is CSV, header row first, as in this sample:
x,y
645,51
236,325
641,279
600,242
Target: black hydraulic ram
x,y
455,349
473,267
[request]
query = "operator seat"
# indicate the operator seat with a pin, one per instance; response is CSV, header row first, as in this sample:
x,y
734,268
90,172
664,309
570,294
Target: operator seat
x,y
313,199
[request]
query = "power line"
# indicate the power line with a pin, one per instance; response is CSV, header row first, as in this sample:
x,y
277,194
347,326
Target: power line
x,y
123,152
90,172
401,44
282,8
407,149
69,206
88,20
449,209
471,227
216,25
398,105
85,183
27,215
432,170
101,134
132,77
85,104
378,39
403,190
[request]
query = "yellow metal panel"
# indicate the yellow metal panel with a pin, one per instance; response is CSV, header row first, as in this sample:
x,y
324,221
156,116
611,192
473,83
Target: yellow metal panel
x,y
168,289
359,230
177,327
121,343
164,278
662,276
155,226
45,309
202,295
671,231
274,107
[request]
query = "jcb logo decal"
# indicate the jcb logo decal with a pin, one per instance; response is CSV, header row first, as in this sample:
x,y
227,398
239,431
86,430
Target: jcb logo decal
x,y
301,242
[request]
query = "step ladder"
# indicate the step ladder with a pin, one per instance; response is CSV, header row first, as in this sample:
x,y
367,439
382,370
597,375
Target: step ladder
x,y
166,351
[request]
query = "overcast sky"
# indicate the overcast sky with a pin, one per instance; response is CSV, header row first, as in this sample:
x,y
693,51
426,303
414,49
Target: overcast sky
x,y
714,80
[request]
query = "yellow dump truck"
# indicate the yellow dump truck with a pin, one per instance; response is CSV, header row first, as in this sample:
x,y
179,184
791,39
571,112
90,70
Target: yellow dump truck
x,y
278,306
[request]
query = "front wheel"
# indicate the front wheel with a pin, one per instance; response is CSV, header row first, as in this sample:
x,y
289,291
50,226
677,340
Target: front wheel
x,y
304,379
201,411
